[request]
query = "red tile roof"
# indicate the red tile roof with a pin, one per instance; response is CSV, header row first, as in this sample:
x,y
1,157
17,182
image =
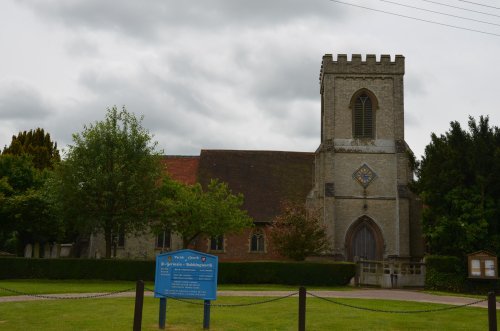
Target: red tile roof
x,y
183,169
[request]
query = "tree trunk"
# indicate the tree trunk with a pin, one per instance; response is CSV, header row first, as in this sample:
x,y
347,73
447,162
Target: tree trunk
x,y
185,242
108,237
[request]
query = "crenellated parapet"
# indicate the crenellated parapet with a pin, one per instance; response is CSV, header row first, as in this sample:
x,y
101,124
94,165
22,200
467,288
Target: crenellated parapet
x,y
357,66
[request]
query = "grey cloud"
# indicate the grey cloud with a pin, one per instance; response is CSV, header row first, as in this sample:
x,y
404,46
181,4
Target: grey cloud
x,y
20,101
416,84
146,19
82,47
290,76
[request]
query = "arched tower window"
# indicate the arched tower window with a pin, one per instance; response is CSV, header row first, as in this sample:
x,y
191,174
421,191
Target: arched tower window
x,y
363,105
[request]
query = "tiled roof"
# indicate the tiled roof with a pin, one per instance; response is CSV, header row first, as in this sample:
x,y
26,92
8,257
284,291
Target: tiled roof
x,y
183,169
265,178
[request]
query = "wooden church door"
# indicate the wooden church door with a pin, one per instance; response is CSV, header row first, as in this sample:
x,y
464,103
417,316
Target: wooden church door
x,y
363,244
364,240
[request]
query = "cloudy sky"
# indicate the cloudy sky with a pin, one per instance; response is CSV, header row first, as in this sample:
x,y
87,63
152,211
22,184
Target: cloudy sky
x,y
230,74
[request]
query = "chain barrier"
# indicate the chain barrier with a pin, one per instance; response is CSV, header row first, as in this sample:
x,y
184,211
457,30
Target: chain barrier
x,y
222,305
42,296
396,311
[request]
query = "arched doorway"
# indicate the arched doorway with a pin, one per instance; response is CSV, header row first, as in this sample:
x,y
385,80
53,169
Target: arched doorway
x,y
364,240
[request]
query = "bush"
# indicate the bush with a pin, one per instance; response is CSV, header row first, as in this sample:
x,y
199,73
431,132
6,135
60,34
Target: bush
x,y
76,269
444,273
449,273
290,273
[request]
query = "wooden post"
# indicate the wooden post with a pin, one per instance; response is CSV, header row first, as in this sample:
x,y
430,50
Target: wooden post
x,y
139,301
492,311
162,318
302,308
206,315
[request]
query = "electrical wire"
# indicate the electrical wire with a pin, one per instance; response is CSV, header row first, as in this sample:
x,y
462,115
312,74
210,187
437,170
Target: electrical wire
x,y
461,8
440,13
479,4
417,19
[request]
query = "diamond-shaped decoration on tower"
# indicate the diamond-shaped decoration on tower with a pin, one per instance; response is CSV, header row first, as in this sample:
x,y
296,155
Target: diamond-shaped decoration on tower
x,y
364,175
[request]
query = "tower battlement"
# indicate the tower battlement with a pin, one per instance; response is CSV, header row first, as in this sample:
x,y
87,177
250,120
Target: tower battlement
x,y
357,66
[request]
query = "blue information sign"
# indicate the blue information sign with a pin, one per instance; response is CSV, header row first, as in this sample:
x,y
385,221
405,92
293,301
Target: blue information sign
x,y
186,274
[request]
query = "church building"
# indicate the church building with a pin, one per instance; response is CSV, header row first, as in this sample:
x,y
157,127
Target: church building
x,y
357,179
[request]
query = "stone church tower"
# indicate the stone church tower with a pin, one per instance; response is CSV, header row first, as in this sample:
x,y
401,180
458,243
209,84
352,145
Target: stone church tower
x,y
362,164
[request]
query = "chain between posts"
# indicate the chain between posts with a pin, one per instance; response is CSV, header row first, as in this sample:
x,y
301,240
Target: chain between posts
x,y
245,304
396,311
221,305
42,296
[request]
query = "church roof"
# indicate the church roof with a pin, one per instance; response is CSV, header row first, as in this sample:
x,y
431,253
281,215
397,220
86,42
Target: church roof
x,y
181,168
265,178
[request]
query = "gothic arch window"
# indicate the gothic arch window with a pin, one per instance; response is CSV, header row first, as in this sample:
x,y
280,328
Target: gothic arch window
x,y
364,240
363,105
257,241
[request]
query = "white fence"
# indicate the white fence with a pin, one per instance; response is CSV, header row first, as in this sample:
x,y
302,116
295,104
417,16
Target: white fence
x,y
391,274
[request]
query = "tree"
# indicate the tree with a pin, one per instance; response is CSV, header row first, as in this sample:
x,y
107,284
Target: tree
x,y
191,211
298,232
459,182
27,212
38,144
110,177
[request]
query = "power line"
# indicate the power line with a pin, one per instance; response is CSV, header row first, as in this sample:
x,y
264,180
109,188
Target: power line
x,y
479,4
440,13
417,19
461,8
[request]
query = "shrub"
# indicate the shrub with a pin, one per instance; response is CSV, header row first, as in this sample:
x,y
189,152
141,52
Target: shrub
x,y
290,273
444,273
449,273
76,269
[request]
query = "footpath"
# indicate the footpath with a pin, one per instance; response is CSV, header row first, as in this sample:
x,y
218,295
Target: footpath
x,y
401,295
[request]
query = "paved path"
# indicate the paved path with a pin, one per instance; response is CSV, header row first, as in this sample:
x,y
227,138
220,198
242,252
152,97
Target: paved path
x,y
403,295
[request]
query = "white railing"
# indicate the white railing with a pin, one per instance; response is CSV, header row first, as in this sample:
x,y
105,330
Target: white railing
x,y
390,274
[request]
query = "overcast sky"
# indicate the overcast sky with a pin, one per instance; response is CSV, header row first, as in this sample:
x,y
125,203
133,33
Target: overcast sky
x,y
229,74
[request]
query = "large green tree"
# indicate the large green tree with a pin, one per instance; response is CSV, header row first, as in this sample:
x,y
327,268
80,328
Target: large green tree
x,y
110,177
28,212
298,232
38,145
459,182
191,211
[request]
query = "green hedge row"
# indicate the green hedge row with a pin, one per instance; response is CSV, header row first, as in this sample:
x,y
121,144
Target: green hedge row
x,y
444,273
307,273
291,273
449,273
13,268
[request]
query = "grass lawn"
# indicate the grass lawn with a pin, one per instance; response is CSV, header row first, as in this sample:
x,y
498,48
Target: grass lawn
x,y
117,314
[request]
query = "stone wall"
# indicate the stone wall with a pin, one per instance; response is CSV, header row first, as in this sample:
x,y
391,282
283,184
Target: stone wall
x,y
143,246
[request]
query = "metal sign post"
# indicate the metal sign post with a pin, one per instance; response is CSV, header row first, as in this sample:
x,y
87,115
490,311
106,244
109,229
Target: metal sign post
x,y
162,318
206,315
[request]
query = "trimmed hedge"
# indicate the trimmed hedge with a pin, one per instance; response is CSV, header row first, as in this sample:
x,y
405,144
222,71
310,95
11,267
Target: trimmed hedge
x,y
449,273
444,273
77,269
290,273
